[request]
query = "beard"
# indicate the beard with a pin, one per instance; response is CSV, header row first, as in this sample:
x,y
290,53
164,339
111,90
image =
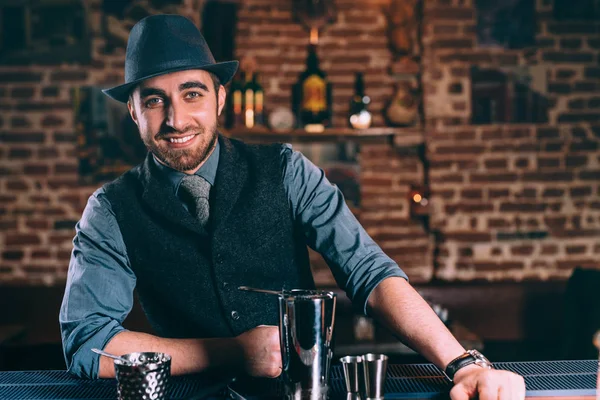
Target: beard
x,y
183,159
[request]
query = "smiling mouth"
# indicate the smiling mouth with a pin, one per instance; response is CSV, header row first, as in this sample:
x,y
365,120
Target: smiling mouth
x,y
180,140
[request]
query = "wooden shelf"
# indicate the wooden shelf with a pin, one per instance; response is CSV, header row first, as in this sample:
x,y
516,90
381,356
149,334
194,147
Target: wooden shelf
x,y
409,136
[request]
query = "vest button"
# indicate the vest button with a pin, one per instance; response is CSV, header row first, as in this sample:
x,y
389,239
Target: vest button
x,y
234,315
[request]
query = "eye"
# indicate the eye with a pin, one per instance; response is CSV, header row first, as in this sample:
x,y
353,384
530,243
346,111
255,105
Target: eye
x,y
153,102
193,95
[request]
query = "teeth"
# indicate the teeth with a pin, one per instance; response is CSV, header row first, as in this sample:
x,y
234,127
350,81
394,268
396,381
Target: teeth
x,y
182,140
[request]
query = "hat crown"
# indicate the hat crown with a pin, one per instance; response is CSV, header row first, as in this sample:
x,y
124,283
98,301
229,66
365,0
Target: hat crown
x,y
163,42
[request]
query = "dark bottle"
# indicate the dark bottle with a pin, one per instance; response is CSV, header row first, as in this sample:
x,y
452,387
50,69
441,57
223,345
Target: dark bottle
x,y
311,95
359,117
235,115
259,102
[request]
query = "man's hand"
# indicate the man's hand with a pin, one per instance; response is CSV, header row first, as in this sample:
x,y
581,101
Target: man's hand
x,y
261,351
473,382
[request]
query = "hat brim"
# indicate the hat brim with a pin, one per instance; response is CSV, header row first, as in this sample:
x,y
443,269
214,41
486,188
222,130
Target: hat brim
x,y
224,70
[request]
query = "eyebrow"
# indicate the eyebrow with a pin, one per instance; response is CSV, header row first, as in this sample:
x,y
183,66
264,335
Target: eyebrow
x,y
150,91
193,84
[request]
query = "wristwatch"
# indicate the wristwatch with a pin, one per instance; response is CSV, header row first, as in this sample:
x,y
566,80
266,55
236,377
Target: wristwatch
x,y
468,358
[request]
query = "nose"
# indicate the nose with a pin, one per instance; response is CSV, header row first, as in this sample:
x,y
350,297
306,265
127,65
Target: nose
x,y
177,118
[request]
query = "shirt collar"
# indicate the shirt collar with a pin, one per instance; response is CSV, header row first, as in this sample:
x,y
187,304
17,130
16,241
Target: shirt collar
x,y
208,170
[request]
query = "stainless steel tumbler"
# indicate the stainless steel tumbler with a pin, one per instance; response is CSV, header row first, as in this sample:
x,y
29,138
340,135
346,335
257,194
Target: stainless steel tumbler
x,y
146,378
306,321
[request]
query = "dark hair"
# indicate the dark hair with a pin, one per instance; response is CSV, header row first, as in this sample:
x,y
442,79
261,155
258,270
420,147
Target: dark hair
x,y
213,76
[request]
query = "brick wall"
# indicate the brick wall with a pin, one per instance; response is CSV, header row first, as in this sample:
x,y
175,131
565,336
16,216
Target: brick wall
x,y
513,179
484,180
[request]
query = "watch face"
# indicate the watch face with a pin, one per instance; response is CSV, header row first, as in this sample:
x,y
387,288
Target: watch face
x,y
480,359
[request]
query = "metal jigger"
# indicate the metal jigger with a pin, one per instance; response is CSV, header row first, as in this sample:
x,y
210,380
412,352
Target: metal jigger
x,y
375,369
353,373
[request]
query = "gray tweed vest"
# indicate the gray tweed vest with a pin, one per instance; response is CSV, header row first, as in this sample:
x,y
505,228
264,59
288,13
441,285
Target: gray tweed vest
x,y
187,277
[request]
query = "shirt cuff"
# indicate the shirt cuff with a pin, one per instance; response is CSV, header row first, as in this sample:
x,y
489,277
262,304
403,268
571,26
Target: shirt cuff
x,y
85,363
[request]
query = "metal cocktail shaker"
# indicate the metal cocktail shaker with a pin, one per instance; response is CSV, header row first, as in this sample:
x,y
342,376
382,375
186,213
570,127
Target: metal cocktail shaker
x,y
306,319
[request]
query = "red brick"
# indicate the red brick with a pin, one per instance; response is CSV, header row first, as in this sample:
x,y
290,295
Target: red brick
x,y
498,193
592,175
21,239
584,263
545,162
22,92
50,91
592,73
12,77
549,249
553,192
584,146
376,181
496,163
493,178
450,13
22,137
17,186
40,254
579,117
36,169
467,236
523,207
68,76
56,183
37,223
466,208
521,250
580,191
459,149
444,30
52,121
47,153
447,178
456,43
66,169
578,27
39,199
562,57
498,223
18,153
39,106
565,73
576,161
12,255
20,122
559,176
6,225
570,44
471,193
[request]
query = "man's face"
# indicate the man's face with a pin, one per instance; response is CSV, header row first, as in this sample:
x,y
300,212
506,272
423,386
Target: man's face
x,y
177,115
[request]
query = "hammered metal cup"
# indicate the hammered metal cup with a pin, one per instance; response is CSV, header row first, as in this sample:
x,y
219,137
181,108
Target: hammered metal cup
x,y
147,378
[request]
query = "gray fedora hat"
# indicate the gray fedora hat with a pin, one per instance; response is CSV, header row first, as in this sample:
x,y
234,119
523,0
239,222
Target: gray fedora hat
x,y
161,44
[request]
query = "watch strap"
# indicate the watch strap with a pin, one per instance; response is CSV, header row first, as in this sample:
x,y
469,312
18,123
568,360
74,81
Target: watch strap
x,y
459,362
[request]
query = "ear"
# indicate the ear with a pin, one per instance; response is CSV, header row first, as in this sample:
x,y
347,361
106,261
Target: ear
x,y
132,110
221,99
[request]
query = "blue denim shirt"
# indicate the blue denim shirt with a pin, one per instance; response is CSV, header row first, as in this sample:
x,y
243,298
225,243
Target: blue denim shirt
x,y
100,282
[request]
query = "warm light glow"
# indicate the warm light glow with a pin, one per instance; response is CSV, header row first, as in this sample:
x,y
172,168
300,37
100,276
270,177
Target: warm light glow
x,y
314,36
417,198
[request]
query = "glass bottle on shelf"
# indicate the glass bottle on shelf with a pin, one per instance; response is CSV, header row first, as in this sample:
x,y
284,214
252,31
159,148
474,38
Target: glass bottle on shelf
x,y
249,101
359,117
259,101
235,117
311,95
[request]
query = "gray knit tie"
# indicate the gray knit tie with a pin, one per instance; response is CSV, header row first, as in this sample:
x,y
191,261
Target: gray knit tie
x,y
195,192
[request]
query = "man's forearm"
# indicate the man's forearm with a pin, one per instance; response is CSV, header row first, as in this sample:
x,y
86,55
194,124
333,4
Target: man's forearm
x,y
398,306
187,355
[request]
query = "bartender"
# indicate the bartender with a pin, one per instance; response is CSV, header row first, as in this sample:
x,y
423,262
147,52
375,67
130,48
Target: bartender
x,y
204,214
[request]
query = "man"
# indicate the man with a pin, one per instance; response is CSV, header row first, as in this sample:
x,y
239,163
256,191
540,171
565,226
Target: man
x,y
204,214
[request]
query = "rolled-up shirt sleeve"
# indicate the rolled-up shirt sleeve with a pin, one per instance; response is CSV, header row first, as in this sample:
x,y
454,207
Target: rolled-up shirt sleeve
x,y
358,264
99,289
